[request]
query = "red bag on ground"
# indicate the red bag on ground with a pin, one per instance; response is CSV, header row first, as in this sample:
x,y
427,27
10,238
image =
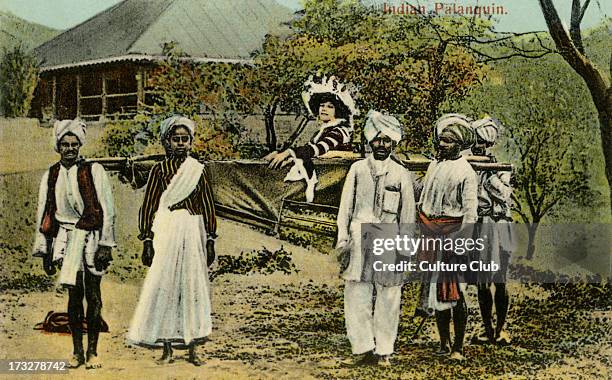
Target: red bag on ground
x,y
56,322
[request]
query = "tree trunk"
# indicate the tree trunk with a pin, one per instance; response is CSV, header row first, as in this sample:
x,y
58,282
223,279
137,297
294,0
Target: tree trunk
x,y
601,91
532,228
270,131
605,129
296,134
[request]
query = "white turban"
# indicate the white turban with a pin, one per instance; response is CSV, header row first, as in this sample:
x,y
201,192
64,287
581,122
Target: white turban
x,y
460,126
450,119
380,123
62,127
173,121
487,129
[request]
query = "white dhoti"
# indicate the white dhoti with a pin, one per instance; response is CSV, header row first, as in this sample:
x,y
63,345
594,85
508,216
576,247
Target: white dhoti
x,y
371,331
72,245
433,304
174,304
175,301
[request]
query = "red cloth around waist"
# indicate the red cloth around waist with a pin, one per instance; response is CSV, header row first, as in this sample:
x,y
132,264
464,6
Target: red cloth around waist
x,y
448,285
439,226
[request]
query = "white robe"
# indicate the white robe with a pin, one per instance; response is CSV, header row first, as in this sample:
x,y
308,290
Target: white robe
x,y
499,191
174,304
450,188
367,198
374,192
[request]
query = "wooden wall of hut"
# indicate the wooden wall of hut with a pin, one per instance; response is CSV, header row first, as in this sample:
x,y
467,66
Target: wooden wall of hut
x,y
93,93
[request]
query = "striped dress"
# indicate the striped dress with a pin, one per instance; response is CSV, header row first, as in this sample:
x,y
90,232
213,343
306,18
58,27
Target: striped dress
x,y
336,135
331,136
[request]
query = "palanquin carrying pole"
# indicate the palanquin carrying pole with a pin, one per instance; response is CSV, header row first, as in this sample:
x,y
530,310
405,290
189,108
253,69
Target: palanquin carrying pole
x,y
247,191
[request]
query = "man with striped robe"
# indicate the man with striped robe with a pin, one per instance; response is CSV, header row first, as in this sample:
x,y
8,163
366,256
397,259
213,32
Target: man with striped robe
x,y
178,226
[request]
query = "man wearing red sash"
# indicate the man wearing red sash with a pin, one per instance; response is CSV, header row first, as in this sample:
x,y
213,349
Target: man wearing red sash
x,y
447,207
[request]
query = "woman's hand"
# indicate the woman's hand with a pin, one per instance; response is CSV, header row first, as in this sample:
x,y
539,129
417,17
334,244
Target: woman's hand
x,y
278,160
270,156
147,253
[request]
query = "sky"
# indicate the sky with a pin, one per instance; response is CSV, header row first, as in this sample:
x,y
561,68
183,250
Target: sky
x,y
521,16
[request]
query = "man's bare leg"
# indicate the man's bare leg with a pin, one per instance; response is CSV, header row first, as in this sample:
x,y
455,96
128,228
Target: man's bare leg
x,y
502,302
75,317
460,315
443,319
485,301
501,308
94,318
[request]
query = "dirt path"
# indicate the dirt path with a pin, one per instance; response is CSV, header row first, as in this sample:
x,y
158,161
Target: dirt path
x,y
21,341
22,311
292,327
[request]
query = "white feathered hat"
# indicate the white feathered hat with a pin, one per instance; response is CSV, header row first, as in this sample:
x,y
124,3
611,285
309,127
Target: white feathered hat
x,y
329,89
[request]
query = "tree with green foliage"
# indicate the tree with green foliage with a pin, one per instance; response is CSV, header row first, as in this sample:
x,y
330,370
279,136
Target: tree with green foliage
x,y
407,65
546,140
208,93
275,84
18,79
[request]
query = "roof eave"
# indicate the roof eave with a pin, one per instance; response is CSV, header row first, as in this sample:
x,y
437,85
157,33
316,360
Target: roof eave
x,y
141,58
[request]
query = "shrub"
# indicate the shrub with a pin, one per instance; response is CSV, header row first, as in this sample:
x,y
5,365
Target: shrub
x,y
141,136
119,138
261,261
18,79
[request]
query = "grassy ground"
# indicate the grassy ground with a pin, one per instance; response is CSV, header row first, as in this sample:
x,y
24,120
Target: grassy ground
x,y
289,326
24,146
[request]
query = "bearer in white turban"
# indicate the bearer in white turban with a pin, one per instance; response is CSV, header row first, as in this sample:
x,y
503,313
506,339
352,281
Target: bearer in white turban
x,y
169,124
75,127
486,130
494,216
377,190
178,227
75,231
459,127
378,122
447,207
